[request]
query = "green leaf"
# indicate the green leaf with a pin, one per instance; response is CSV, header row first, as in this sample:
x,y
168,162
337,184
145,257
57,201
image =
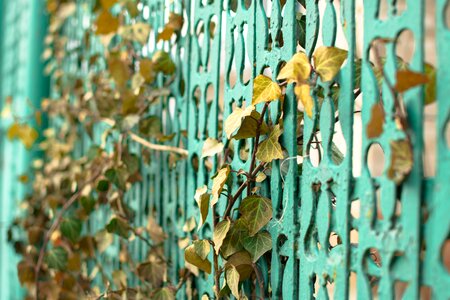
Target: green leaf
x,y
164,294
270,148
328,62
258,244
71,228
233,241
218,183
191,256
211,147
301,29
243,264
407,79
163,63
132,162
297,69
57,258
430,87
103,186
402,160
119,227
117,176
249,127
235,119
265,90
232,276
220,232
303,93
256,211
202,198
202,248
150,126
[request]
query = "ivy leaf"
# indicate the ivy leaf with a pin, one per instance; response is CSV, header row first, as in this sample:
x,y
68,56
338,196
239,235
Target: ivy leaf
x,y
103,239
150,126
218,183
57,258
249,127
328,62
232,276
301,29
303,93
258,245
243,264
407,79
138,32
155,231
175,23
233,241
256,211
146,70
164,293
71,229
106,23
375,125
202,248
153,271
220,232
202,198
103,186
26,272
119,227
119,71
270,148
117,176
191,256
25,133
235,119
107,4
401,160
297,69
189,225
430,87
211,147
119,278
163,63
265,90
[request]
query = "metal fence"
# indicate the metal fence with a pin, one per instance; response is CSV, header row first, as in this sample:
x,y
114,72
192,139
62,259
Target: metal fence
x,y
402,231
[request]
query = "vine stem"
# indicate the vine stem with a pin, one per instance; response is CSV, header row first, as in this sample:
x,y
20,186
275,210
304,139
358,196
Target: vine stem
x,y
55,225
149,145
259,279
255,148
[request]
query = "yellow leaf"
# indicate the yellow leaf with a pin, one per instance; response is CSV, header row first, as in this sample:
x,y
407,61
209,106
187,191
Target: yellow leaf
x,y
265,90
119,71
220,232
106,23
375,125
401,160
218,183
107,4
407,79
211,147
13,131
328,62
189,225
270,148
297,69
138,32
234,120
202,198
191,256
146,70
232,276
165,34
303,94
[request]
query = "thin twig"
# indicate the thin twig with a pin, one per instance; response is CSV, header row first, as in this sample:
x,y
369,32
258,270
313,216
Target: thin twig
x,y
259,279
149,145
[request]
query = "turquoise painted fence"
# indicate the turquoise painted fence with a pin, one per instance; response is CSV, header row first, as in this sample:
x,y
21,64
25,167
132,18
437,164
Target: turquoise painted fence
x,y
397,256
22,30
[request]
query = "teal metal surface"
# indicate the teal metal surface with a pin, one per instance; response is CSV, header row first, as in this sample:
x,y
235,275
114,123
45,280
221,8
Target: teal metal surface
x,y
312,204
23,28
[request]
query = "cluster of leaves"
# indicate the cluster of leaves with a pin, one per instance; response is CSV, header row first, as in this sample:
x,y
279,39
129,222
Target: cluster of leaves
x,y
58,233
